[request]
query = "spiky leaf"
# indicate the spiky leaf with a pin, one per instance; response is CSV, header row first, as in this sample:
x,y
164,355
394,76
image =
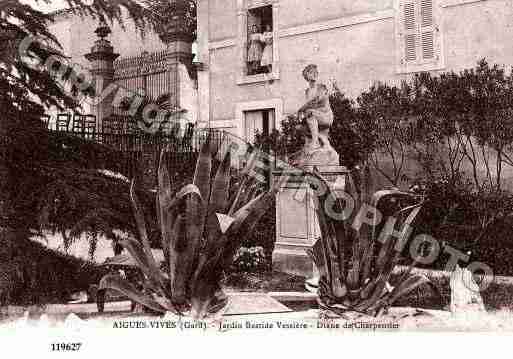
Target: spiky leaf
x,y
115,282
176,265
156,278
407,286
391,259
220,187
205,287
143,234
203,170
165,217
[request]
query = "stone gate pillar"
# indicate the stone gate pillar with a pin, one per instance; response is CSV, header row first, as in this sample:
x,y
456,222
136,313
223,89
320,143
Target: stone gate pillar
x,y
178,39
102,59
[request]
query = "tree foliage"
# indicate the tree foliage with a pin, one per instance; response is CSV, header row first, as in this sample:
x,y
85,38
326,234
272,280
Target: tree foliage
x,y
29,88
460,134
48,181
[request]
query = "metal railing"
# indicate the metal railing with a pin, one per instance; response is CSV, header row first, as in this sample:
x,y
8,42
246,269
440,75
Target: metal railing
x,y
138,151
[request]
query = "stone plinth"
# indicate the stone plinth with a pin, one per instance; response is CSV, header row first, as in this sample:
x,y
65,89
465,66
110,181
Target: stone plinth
x,y
297,227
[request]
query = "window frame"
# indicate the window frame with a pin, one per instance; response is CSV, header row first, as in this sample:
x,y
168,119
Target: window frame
x,y
241,108
265,116
420,64
243,6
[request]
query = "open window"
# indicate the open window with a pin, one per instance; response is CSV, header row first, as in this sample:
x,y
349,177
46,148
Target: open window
x,y
258,121
260,38
257,41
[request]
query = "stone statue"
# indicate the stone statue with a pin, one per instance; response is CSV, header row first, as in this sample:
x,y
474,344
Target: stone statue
x,y
317,118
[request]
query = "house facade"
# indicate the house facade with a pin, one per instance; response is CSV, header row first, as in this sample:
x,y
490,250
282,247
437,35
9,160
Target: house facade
x,y
353,42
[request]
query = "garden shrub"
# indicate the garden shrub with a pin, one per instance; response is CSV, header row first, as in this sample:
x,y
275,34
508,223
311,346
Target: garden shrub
x,y
52,183
454,215
264,234
33,274
250,259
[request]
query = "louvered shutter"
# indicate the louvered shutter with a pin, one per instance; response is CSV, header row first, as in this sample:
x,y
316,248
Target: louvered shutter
x,y
427,30
410,31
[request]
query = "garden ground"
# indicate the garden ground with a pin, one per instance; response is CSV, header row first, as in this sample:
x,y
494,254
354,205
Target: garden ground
x,y
497,297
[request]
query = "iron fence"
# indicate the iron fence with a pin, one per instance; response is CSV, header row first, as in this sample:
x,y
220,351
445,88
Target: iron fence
x,y
139,152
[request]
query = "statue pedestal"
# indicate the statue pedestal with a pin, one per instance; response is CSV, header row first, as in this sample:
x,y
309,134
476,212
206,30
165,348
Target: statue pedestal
x,y
297,227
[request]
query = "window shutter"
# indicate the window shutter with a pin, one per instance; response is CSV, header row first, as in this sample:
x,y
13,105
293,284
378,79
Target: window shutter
x,y
427,29
419,41
410,31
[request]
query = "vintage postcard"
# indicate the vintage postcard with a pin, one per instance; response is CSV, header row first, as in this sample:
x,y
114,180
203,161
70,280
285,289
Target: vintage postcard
x,y
233,167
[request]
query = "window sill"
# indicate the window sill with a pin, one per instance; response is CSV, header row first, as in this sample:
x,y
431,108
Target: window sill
x,y
243,80
423,67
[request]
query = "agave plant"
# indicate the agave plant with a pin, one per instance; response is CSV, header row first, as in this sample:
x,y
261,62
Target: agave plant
x,y
201,229
355,267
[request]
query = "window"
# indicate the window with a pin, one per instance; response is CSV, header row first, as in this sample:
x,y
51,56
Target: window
x,y
259,121
419,36
260,40
257,41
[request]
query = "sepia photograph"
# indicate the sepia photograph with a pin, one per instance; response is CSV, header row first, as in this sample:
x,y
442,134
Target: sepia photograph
x,y
233,167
